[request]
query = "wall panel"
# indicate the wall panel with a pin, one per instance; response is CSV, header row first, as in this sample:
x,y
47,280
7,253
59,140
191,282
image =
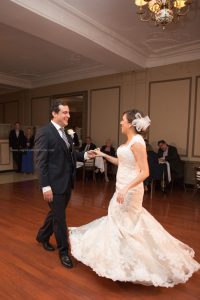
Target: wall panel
x,y
169,109
104,118
196,127
40,111
11,112
1,113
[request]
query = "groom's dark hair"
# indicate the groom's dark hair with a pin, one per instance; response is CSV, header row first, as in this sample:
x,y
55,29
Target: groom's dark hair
x,y
55,106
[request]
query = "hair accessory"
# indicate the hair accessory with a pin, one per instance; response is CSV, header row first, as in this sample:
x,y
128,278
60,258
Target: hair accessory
x,y
140,123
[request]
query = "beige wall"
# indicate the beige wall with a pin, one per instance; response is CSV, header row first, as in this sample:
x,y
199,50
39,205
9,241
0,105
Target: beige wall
x,y
169,108
40,111
170,94
104,115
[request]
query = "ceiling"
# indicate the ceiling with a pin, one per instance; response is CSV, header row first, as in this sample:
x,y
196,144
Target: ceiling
x,y
52,41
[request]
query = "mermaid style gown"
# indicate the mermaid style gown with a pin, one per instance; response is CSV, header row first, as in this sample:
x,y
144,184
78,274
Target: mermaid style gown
x,y
129,244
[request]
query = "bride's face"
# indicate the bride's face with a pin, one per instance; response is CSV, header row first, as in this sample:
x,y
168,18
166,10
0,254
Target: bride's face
x,y
125,125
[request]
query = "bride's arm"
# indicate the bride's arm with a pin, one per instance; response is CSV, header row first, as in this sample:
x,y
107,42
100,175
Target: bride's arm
x,y
113,160
139,152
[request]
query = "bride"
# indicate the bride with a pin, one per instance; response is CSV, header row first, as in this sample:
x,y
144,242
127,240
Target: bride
x,y
129,244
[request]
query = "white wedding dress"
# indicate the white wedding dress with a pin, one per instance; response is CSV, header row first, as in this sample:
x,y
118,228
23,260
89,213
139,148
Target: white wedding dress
x,y
129,244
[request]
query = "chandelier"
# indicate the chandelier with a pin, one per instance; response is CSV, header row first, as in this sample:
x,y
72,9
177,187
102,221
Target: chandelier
x,y
162,12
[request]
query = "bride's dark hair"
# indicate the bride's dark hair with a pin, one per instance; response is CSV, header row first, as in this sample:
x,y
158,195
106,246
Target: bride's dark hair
x,y
130,115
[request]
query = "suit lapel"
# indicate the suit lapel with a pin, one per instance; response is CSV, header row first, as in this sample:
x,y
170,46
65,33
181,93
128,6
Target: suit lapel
x,y
58,137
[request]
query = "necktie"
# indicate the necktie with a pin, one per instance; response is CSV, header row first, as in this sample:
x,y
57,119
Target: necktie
x,y
87,147
64,137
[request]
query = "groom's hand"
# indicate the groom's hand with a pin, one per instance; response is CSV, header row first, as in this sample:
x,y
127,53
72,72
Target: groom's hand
x,y
91,153
48,196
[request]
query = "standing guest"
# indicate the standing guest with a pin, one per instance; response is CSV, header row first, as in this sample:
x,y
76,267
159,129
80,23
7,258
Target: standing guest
x,y
88,145
27,157
110,150
17,143
55,160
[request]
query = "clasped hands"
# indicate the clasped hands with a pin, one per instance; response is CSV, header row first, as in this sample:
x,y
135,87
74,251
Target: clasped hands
x,y
94,153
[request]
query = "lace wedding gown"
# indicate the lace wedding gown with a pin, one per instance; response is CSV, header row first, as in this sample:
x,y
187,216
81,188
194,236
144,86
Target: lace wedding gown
x,y
129,244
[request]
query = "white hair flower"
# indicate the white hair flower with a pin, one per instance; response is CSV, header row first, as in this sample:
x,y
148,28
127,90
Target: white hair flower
x,y
141,123
71,132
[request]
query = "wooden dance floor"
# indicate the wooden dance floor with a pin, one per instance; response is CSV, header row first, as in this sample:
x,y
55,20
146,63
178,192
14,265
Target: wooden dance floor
x,y
29,272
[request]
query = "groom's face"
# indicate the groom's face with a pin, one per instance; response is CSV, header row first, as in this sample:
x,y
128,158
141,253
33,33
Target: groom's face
x,y
62,117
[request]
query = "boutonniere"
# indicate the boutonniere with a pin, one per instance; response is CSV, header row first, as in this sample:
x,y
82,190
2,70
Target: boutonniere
x,y
71,132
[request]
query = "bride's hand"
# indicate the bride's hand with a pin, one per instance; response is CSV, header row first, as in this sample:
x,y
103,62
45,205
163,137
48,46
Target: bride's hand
x,y
99,153
121,195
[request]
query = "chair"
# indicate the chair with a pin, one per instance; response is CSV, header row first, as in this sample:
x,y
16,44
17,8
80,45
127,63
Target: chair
x,y
180,179
154,170
197,180
89,167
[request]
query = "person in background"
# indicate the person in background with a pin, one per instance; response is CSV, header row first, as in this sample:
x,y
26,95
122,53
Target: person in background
x,y
170,154
110,150
17,143
154,167
88,145
27,156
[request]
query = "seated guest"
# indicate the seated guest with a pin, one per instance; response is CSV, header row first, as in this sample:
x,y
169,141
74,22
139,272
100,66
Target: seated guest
x,y
170,154
110,150
154,168
88,145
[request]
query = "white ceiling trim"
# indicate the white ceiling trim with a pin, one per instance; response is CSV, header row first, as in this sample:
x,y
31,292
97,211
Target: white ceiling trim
x,y
57,77
69,17
14,81
71,75
185,53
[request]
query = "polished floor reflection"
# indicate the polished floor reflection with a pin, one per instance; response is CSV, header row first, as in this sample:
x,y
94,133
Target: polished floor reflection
x,y
9,177
28,272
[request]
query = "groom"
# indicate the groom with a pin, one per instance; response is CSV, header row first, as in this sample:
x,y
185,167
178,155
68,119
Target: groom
x,y
55,160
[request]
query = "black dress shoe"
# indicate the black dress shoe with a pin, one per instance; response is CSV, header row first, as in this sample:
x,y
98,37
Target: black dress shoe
x,y
46,245
66,261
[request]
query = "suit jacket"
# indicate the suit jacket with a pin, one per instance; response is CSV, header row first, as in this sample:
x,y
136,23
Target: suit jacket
x,y
174,160
16,142
54,162
92,147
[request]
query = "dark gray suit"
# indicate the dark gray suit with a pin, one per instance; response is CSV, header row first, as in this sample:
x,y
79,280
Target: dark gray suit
x,y
56,166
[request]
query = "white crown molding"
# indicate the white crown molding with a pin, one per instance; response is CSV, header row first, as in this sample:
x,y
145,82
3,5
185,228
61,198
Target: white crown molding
x,y
71,18
90,39
185,52
14,81
71,75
